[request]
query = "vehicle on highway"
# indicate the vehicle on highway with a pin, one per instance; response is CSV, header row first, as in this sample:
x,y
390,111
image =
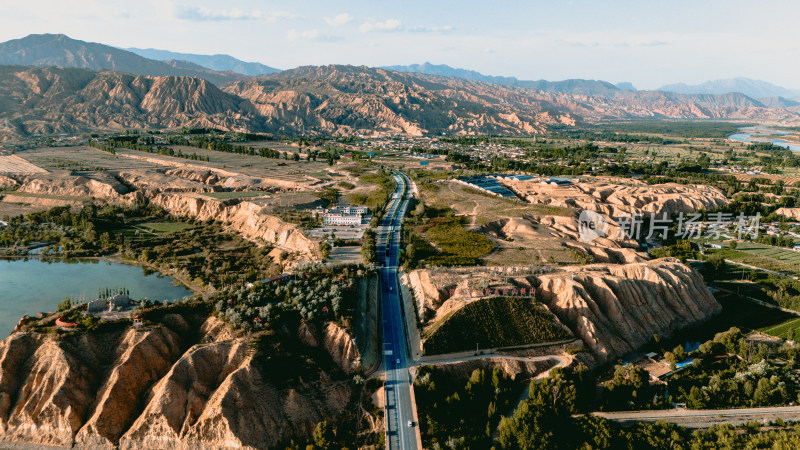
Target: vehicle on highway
x,y
398,360
410,423
390,289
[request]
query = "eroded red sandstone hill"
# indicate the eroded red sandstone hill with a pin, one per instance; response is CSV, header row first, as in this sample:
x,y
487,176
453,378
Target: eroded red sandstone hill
x,y
335,100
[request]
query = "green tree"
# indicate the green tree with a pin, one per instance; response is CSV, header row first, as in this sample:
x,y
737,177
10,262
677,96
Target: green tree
x,y
713,266
679,352
323,435
762,394
696,398
65,304
324,249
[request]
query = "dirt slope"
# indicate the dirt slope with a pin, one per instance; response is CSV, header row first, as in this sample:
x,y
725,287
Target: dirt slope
x,y
613,308
617,308
244,218
157,387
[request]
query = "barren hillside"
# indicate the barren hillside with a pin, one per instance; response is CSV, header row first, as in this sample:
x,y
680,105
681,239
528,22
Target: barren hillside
x,y
335,100
166,386
613,308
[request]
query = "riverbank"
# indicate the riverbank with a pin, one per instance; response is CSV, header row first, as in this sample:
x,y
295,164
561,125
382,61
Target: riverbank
x,y
36,284
117,258
755,135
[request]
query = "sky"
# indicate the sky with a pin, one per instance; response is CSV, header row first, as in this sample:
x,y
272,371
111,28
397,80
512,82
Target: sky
x,y
647,42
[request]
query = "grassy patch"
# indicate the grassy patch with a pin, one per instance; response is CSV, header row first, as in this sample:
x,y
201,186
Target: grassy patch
x,y
165,227
532,208
493,322
784,330
47,196
458,246
322,175
764,256
376,199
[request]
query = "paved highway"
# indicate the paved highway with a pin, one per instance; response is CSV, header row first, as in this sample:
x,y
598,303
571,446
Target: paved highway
x,y
399,404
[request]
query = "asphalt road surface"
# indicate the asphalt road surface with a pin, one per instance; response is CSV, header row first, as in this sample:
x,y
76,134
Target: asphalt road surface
x,y
399,403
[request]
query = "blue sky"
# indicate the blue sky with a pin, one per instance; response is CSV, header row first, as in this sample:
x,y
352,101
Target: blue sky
x,y
647,42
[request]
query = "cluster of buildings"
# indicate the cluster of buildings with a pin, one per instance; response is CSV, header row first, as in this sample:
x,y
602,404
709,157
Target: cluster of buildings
x,y
342,215
116,302
114,307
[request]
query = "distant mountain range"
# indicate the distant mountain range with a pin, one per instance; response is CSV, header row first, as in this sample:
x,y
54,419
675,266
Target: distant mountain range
x,y
746,86
572,86
330,100
97,87
60,50
220,63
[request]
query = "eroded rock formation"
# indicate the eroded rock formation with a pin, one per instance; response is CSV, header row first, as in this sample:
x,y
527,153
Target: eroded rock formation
x,y
244,218
617,308
613,308
160,387
616,199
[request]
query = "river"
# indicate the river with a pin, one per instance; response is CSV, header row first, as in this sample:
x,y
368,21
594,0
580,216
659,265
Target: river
x,y
759,134
31,285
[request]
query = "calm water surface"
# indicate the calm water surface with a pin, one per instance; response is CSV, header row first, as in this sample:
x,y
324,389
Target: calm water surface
x,y
31,285
756,134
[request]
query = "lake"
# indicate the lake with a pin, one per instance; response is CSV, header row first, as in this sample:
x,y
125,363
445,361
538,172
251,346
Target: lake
x,y
757,134
31,285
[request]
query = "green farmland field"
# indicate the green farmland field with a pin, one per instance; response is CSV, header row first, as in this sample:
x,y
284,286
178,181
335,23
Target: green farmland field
x,y
493,322
765,257
165,227
785,330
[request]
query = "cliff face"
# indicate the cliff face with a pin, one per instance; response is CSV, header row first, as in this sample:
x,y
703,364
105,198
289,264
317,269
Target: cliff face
x,y
617,308
143,359
86,386
342,348
138,388
337,100
613,308
49,100
244,218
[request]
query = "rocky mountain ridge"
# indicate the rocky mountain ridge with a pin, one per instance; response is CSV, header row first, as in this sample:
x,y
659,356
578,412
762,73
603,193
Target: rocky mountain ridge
x,y
746,86
331,100
220,63
58,50
572,86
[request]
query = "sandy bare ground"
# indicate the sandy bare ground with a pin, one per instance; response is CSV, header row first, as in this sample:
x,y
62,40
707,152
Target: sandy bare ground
x,y
15,164
620,197
17,209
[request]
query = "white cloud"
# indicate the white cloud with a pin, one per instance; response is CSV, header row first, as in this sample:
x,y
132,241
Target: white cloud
x,y
294,35
201,13
423,29
310,35
387,25
339,20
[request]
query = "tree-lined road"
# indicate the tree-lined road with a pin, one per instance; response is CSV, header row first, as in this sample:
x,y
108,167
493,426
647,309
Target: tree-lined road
x,y
704,418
